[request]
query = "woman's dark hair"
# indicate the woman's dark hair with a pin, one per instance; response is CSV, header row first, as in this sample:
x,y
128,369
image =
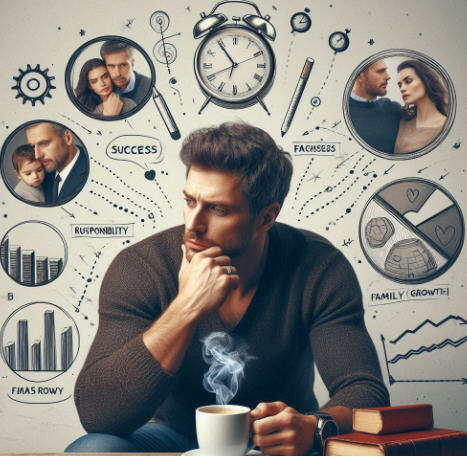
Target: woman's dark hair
x,y
86,96
434,86
263,167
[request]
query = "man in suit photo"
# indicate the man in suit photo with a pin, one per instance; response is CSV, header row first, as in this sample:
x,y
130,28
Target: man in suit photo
x,y
66,164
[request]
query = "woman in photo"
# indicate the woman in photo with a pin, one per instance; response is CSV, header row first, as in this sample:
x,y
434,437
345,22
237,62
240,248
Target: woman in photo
x,y
426,106
95,91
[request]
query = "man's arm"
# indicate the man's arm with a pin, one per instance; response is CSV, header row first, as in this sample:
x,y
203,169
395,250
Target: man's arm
x,y
203,286
138,348
345,357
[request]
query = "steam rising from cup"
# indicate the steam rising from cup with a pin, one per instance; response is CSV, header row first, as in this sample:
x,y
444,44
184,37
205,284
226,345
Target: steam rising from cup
x,y
227,359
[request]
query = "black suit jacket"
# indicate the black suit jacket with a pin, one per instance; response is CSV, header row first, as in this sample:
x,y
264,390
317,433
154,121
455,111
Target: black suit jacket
x,y
73,183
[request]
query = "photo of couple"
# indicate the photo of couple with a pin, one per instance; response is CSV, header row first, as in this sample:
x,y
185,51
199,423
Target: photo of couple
x,y
399,105
109,86
44,163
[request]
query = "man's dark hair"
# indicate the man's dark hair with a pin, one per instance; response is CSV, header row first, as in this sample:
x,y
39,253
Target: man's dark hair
x,y
59,129
112,46
263,167
21,154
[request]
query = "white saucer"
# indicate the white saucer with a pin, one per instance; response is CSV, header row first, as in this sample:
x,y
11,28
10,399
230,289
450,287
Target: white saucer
x,y
197,452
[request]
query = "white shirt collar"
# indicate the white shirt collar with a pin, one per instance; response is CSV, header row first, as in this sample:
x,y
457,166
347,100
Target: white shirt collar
x,y
66,171
356,97
131,83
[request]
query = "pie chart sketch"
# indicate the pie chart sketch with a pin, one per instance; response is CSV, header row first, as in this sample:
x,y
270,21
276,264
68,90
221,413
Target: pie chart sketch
x,y
411,230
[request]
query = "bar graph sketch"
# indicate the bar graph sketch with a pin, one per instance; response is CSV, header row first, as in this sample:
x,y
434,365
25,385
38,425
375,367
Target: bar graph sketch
x,y
39,341
33,255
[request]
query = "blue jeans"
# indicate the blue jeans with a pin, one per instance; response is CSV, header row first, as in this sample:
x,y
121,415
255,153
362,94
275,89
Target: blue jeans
x,y
151,437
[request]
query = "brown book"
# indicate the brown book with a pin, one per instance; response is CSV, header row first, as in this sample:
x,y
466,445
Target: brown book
x,y
429,442
401,418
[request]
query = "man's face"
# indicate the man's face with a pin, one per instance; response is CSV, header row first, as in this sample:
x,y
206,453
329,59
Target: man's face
x,y
216,213
120,66
375,79
50,148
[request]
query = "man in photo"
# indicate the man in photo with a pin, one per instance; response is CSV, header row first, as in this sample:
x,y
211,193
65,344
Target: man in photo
x,y
286,293
119,60
375,118
65,163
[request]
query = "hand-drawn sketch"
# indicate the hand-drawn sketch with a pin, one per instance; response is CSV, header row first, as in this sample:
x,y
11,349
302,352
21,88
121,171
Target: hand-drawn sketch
x,y
33,84
234,64
411,230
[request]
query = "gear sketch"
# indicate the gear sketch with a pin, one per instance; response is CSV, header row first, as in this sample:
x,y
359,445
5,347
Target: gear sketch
x,y
33,84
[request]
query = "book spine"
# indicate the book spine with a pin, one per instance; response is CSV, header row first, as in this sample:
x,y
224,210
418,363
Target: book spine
x,y
452,445
406,420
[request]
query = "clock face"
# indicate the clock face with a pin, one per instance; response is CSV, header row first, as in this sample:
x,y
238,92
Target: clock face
x,y
339,41
234,65
300,22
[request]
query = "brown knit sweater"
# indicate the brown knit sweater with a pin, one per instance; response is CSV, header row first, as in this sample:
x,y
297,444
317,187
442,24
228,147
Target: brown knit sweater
x,y
307,307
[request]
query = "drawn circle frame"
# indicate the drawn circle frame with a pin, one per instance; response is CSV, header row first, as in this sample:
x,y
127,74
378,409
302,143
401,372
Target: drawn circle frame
x,y
303,28
2,331
161,13
77,53
416,55
451,260
65,254
3,152
344,46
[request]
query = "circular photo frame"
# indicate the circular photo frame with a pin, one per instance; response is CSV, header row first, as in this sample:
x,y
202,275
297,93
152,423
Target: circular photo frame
x,y
32,157
110,78
39,341
411,230
386,97
33,253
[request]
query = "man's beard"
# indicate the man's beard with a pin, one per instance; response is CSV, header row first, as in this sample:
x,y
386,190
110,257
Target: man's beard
x,y
231,250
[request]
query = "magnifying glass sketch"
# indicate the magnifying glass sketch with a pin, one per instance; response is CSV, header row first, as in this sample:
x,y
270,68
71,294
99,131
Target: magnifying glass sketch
x,y
112,78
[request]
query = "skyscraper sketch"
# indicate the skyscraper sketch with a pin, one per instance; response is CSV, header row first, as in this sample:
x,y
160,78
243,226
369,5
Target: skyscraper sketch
x,y
23,345
66,339
50,352
42,270
15,262
56,266
36,356
10,355
4,253
29,269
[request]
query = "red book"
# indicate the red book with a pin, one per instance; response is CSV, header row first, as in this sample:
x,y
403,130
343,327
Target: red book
x,y
401,418
429,442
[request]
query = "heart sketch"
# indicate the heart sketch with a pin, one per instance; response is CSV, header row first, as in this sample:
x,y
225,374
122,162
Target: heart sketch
x,y
445,236
412,194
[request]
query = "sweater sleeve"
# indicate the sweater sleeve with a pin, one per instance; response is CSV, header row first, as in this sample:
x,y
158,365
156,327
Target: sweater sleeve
x,y
343,350
121,384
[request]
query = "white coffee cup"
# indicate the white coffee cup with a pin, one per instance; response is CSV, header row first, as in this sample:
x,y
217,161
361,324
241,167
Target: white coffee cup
x,y
222,430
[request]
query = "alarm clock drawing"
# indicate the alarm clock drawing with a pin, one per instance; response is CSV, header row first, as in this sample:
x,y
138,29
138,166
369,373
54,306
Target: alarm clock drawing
x,y
234,63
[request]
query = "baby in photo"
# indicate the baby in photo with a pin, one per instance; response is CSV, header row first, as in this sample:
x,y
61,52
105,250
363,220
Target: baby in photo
x,y
30,172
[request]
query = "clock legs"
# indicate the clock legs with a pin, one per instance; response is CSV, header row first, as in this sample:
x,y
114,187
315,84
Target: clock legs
x,y
261,102
208,99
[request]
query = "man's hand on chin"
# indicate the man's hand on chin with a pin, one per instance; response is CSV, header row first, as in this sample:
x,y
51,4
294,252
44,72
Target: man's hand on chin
x,y
280,429
206,280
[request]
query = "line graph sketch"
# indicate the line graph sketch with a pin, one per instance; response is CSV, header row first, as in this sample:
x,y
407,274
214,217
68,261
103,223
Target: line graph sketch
x,y
424,354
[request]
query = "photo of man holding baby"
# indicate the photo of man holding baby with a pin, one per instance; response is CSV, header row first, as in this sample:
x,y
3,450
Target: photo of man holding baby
x,y
44,163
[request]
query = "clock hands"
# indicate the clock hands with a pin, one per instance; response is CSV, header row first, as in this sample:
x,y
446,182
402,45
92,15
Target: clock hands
x,y
234,64
222,46
231,67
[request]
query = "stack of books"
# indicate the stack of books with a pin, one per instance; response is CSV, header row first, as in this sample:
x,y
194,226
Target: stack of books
x,y
405,430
